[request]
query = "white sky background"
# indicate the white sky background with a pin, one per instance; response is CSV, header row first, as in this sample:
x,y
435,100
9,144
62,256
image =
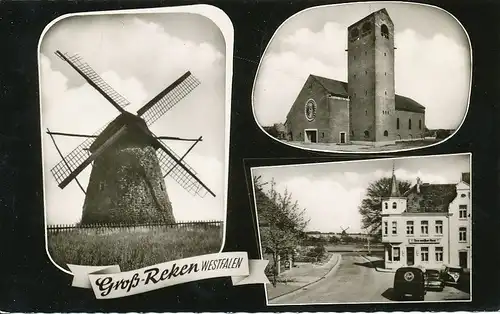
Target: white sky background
x,y
432,59
138,55
331,193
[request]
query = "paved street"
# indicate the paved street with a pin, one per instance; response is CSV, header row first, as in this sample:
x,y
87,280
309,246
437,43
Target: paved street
x,y
356,281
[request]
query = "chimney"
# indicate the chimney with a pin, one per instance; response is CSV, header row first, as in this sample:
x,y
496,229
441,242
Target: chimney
x,y
419,183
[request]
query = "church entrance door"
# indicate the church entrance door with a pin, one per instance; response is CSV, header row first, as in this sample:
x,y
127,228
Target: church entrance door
x,y
311,136
342,137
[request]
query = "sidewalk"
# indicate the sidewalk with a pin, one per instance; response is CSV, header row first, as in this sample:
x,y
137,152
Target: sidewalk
x,y
300,276
374,260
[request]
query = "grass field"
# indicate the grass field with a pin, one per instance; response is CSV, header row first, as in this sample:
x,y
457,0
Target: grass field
x,y
131,250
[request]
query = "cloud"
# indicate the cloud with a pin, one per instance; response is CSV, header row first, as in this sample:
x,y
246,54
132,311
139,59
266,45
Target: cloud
x,y
138,59
433,71
412,176
328,204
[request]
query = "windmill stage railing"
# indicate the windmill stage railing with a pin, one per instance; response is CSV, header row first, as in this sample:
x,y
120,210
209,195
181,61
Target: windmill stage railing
x,y
106,227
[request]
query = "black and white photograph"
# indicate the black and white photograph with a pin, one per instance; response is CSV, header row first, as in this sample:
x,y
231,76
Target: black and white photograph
x,y
372,231
135,135
365,77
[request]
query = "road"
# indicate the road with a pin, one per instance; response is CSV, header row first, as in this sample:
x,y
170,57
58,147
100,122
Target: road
x,y
356,281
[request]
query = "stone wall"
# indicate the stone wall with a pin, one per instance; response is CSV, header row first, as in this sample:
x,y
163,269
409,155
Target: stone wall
x,y
126,185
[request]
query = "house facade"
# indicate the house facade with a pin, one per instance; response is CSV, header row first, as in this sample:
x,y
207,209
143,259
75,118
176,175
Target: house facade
x,y
429,225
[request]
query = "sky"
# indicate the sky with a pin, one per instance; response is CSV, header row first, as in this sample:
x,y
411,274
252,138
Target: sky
x,y
138,55
331,193
432,59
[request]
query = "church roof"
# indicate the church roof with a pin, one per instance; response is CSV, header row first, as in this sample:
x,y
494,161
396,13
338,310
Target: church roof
x,y
339,88
428,198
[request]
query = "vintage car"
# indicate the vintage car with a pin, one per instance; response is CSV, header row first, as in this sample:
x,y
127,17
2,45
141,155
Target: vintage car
x,y
433,280
409,281
451,274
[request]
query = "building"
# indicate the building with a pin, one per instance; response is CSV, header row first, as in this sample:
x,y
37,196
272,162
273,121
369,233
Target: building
x,y
429,225
365,110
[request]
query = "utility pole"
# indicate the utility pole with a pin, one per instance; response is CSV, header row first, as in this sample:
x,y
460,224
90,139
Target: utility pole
x,y
369,250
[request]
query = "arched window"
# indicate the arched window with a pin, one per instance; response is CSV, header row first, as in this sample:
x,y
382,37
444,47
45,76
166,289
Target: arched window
x,y
394,205
367,134
420,124
397,123
386,133
386,206
409,124
101,186
354,33
366,28
384,31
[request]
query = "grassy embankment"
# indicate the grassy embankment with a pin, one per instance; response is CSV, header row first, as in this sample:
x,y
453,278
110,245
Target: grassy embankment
x,y
131,250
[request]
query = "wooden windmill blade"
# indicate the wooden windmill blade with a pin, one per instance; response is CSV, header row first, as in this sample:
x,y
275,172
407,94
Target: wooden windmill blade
x,y
80,66
173,165
168,98
64,168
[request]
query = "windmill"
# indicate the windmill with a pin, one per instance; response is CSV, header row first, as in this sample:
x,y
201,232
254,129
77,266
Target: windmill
x,y
129,162
344,236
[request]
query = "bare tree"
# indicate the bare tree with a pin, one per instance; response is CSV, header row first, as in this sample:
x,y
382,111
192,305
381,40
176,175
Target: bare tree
x,y
281,222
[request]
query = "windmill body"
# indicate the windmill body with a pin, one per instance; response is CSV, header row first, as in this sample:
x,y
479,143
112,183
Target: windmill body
x,y
129,163
126,184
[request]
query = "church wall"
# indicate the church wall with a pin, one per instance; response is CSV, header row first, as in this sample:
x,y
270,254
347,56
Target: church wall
x,y
384,80
404,133
297,121
339,119
361,88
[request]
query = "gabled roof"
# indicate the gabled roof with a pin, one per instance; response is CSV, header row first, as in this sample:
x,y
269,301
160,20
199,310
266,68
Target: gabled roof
x,y
430,198
339,88
334,87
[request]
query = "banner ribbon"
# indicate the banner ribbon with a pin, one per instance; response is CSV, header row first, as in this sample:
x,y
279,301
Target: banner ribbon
x,y
108,282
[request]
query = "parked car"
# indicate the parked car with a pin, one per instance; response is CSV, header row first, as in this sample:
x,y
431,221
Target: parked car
x,y
409,281
451,274
433,280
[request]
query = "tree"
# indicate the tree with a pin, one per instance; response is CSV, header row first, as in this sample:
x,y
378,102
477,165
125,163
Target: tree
x,y
281,222
371,206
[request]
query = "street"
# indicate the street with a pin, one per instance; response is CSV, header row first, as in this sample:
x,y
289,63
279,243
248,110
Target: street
x,y
355,280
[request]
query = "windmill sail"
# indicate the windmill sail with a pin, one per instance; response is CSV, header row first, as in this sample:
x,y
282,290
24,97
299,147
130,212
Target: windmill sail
x,y
75,158
168,98
77,63
181,172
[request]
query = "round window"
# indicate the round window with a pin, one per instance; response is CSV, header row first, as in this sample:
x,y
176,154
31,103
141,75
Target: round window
x,y
310,110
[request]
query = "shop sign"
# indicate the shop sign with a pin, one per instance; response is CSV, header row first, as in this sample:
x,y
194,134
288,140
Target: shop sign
x,y
424,241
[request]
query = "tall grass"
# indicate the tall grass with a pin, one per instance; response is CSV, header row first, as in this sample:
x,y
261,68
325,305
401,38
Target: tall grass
x,y
131,250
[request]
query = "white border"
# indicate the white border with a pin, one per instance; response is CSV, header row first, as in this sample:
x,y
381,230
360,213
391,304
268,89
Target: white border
x,y
357,161
374,151
222,21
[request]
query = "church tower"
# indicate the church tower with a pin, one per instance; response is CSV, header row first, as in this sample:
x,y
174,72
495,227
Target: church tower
x,y
370,66
395,203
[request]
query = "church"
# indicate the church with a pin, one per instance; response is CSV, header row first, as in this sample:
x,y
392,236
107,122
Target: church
x,y
366,109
